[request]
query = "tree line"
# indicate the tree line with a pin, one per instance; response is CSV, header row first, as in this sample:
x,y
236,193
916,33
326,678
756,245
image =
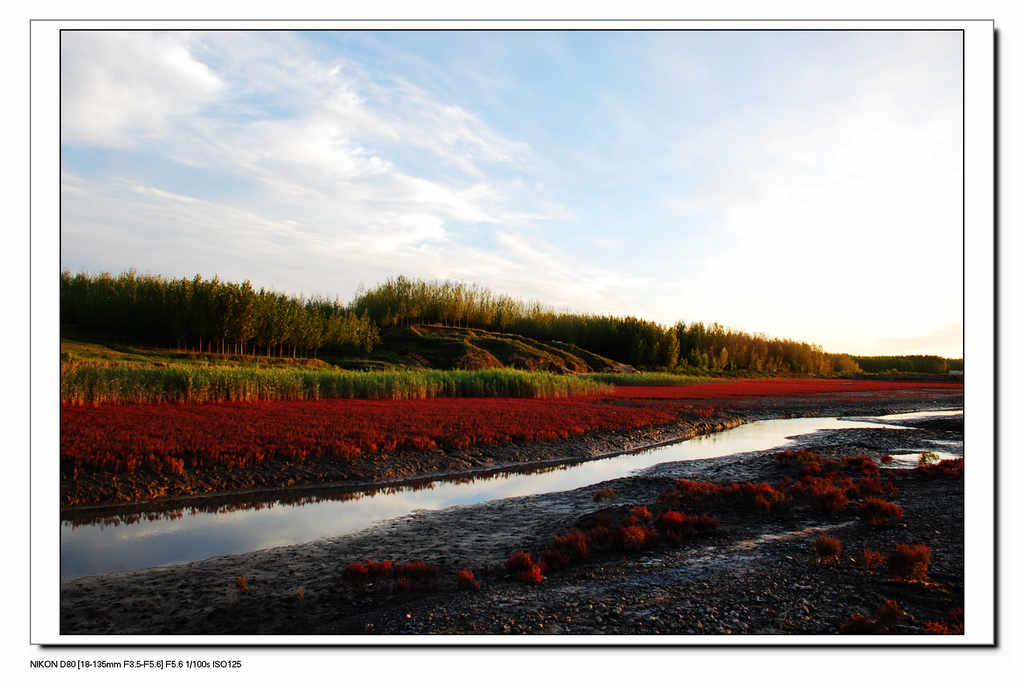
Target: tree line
x,y
210,315
919,363
403,301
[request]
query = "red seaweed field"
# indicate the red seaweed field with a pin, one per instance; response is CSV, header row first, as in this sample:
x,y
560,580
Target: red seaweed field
x,y
176,439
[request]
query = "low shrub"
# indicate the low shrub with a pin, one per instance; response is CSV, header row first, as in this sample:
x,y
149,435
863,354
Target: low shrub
x,y
887,616
863,463
416,570
532,575
927,458
553,560
955,625
952,467
466,580
242,584
872,559
518,561
639,514
357,572
575,545
378,568
909,562
605,495
879,512
676,525
797,457
634,537
828,548
601,537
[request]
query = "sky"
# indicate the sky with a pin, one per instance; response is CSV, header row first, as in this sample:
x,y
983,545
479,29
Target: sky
x,y
800,184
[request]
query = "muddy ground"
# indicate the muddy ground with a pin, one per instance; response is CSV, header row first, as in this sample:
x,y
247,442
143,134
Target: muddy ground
x,y
757,574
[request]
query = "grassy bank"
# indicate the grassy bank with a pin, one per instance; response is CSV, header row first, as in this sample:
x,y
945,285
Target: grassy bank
x,y
84,383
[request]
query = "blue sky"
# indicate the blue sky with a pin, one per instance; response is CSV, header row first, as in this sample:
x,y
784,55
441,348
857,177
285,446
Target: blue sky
x,y
801,184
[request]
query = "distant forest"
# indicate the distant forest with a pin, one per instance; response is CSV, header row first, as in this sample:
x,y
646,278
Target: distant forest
x,y
210,315
908,364
217,316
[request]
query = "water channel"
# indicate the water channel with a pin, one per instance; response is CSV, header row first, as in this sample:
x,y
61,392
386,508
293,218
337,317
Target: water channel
x,y
101,547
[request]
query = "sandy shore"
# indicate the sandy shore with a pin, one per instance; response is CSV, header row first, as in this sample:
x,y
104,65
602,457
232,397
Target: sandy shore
x,y
754,575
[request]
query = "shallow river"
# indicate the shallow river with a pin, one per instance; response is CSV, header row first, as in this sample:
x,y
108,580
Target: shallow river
x,y
91,549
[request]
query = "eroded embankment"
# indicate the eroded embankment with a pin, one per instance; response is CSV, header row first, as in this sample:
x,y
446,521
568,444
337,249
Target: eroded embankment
x,y
755,574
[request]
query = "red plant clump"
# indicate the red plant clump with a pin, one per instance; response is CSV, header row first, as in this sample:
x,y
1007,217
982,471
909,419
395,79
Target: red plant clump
x,y
863,463
518,561
879,512
532,575
952,467
522,566
378,568
416,570
554,560
871,558
887,616
357,572
635,537
828,548
676,525
639,513
601,537
575,545
466,580
955,625
909,562
797,457
750,495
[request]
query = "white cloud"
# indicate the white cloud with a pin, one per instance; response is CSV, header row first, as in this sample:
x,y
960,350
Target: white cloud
x,y
118,88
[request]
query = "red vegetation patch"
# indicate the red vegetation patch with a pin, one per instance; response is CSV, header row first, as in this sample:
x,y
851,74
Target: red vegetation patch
x,y
676,526
639,513
172,439
518,561
909,562
797,457
871,558
791,387
604,495
466,580
750,495
635,537
575,545
522,566
952,467
955,624
828,548
887,617
357,572
378,568
175,438
416,570
242,584
879,512
532,575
